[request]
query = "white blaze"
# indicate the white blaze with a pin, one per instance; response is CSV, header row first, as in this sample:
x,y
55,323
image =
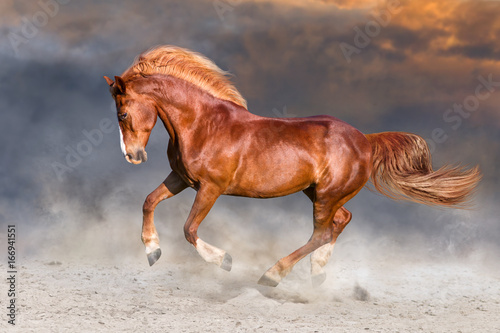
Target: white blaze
x,y
122,144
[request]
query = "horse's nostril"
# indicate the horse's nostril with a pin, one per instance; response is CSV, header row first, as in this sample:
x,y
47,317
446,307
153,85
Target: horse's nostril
x,y
137,157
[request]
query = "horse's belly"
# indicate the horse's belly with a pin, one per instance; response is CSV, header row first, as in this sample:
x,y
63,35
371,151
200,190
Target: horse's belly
x,y
268,181
265,191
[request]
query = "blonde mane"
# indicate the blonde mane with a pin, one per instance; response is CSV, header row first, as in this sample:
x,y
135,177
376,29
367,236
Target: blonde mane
x,y
189,66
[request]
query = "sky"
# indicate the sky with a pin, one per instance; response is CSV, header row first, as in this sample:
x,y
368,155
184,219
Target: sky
x,y
426,67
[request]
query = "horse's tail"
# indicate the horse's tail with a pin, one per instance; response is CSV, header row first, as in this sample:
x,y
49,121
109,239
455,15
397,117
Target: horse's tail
x,y
402,170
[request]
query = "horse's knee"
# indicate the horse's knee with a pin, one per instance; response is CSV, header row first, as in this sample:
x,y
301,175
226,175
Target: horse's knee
x,y
190,234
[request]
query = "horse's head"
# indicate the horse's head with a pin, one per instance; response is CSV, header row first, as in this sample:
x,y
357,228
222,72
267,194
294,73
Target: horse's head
x,y
136,118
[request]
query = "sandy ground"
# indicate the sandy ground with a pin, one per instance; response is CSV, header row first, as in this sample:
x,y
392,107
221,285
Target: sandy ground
x,y
90,295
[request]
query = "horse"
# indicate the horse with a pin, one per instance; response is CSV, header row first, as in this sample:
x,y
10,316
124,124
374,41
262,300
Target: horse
x,y
217,147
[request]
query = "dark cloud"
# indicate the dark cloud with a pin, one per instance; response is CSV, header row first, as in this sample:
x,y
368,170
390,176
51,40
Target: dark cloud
x,y
481,51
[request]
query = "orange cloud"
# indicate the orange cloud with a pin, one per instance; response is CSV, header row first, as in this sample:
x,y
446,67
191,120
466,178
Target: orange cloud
x,y
353,4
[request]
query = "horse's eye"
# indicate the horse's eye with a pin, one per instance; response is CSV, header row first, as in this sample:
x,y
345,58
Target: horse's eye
x,y
122,116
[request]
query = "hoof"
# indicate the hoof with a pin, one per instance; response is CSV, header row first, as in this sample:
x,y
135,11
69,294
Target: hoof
x,y
227,262
265,280
154,256
317,280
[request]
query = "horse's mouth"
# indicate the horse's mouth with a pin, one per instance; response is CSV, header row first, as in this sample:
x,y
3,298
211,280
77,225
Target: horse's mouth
x,y
137,158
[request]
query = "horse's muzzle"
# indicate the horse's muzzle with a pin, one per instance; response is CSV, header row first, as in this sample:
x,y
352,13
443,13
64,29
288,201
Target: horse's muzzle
x,y
138,157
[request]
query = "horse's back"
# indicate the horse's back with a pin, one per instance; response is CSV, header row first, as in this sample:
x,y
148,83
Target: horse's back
x,y
280,156
321,135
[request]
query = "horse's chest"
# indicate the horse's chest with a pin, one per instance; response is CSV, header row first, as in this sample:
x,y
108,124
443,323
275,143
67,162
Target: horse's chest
x,y
186,170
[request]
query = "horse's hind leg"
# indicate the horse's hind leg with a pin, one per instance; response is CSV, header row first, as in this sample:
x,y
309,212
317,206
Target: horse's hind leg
x,y
172,185
325,206
320,257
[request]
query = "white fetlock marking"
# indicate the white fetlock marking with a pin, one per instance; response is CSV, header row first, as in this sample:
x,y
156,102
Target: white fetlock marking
x,y
210,253
316,269
152,245
150,248
320,257
274,275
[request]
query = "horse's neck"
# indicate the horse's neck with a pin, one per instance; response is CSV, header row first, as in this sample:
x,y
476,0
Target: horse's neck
x,y
186,109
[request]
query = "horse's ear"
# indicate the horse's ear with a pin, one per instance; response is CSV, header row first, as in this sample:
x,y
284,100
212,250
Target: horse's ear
x,y
109,81
119,85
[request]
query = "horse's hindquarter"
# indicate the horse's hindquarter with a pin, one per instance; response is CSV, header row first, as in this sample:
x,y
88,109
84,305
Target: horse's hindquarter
x,y
283,156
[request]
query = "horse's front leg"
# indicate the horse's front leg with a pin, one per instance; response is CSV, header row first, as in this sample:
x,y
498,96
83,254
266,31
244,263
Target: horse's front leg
x,y
172,185
205,199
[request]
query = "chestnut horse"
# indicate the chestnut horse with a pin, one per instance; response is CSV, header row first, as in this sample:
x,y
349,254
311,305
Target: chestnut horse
x,y
218,147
